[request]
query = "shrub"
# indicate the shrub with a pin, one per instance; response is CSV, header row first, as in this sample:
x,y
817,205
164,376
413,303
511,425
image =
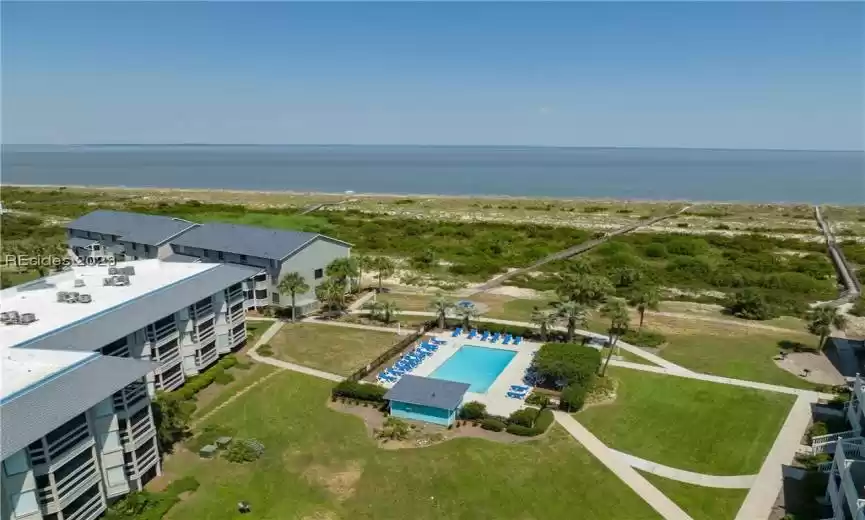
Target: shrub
x,y
223,378
656,251
523,417
209,435
810,462
544,421
817,429
394,429
182,485
573,397
559,364
243,366
749,304
492,424
473,411
358,390
858,308
227,362
644,338
538,399
265,350
242,451
522,431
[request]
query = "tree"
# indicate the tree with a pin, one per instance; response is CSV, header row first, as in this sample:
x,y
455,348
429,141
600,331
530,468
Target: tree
x,y
574,314
645,298
385,267
171,418
617,312
626,276
293,284
332,294
385,311
364,263
466,313
344,269
587,290
544,319
821,321
441,306
749,304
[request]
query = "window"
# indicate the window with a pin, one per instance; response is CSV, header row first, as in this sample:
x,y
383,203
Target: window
x,y
24,503
249,294
221,256
261,294
16,463
243,258
319,274
134,246
275,297
260,277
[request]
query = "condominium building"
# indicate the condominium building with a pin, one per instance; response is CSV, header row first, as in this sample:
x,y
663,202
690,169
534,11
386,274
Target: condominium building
x,y
84,351
272,252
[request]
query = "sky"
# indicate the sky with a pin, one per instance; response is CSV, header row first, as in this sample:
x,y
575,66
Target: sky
x,y
787,75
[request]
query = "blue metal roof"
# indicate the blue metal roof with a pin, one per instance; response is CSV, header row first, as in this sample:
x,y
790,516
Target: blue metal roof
x,y
274,244
152,230
427,391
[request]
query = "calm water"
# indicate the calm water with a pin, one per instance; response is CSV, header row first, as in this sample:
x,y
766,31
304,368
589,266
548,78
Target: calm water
x,y
475,366
760,176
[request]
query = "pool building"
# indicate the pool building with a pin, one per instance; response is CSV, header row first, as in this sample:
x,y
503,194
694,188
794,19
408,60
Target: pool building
x,y
426,399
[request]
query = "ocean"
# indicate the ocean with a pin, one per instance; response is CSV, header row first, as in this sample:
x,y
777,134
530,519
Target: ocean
x,y
617,173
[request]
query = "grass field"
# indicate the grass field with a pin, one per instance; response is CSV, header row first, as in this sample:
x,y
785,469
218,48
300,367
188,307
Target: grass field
x,y
701,503
254,330
319,464
339,350
216,394
688,424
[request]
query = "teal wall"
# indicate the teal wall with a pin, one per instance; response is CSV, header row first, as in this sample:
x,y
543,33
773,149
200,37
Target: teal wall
x,y
422,413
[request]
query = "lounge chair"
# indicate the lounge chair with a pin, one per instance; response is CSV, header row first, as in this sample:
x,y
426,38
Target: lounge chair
x,y
495,337
485,335
519,388
506,340
517,395
518,340
455,333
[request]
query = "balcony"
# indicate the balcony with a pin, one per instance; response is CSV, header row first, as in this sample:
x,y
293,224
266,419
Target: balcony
x,y
849,469
138,432
83,474
206,356
171,379
90,510
68,441
168,355
135,469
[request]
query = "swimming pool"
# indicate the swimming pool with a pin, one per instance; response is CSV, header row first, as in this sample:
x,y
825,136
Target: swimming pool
x,y
476,366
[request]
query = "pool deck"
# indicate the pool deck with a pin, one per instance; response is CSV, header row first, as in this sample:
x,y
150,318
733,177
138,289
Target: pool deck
x,y
496,399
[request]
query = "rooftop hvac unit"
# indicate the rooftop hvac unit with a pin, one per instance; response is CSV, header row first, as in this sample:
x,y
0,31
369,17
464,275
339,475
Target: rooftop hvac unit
x,y
113,271
6,318
107,281
61,296
84,298
11,318
27,318
128,270
79,282
120,280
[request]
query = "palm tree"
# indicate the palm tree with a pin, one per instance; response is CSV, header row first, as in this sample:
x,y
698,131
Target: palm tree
x,y
344,269
364,263
387,310
573,313
544,319
587,290
385,268
332,294
617,312
441,306
821,321
466,314
646,298
293,284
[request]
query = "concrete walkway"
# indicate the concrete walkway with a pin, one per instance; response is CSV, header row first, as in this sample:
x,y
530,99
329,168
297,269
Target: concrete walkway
x,y
637,351
403,331
260,318
689,477
759,501
615,463
267,336
359,303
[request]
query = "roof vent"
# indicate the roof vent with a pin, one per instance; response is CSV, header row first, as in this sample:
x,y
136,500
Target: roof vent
x,y
113,271
107,281
84,298
121,279
9,318
61,296
128,270
79,282
27,318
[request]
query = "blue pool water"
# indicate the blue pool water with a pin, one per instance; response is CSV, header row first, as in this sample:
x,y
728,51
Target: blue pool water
x,y
477,366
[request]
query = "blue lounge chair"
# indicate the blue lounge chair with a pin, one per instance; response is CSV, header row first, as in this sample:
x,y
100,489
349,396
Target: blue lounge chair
x,y
518,340
506,340
455,333
437,341
519,388
495,337
517,395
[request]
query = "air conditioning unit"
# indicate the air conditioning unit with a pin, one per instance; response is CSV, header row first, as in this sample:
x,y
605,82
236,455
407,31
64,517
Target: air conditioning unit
x,y
5,318
107,281
128,270
27,318
61,296
79,282
84,298
11,318
113,271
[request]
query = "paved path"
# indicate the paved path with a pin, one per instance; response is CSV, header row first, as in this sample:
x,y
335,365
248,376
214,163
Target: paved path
x,y
572,251
659,501
689,477
358,304
259,318
759,501
637,351
270,333
810,394
404,331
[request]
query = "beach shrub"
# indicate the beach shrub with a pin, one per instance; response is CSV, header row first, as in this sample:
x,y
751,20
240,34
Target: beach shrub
x,y
473,411
522,431
817,429
573,397
559,364
644,338
858,308
361,391
538,399
544,421
223,378
265,350
749,304
492,424
241,451
148,505
227,362
523,417
655,251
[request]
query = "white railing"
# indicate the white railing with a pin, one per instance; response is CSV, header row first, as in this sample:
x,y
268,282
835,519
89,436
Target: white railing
x,y
61,445
835,498
169,382
168,357
825,467
92,509
832,437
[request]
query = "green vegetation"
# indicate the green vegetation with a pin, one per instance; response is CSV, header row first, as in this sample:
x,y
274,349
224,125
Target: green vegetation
x,y
701,503
358,390
689,424
335,470
339,350
254,330
146,505
557,365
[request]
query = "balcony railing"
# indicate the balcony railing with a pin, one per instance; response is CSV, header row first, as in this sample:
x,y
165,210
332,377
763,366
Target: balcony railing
x,y
131,395
61,445
170,380
137,468
205,357
70,487
167,357
92,509
137,433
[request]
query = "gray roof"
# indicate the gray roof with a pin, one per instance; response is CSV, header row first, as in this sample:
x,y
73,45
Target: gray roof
x,y
152,230
274,244
426,391
81,242
36,411
184,259
114,323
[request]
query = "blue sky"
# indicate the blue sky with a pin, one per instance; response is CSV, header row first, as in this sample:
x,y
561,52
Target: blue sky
x,y
723,75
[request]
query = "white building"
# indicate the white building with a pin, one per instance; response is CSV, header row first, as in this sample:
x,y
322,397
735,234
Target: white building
x,y
82,354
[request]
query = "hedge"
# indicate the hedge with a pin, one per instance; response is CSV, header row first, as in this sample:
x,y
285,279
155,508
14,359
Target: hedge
x,y
560,364
473,411
644,338
544,419
573,397
523,417
361,391
493,424
155,506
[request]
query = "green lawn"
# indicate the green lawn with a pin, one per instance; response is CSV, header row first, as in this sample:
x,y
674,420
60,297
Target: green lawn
x,y
216,394
701,503
254,330
339,350
688,424
322,465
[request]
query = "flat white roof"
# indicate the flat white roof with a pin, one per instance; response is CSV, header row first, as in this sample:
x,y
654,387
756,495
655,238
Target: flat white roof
x,y
40,297
23,367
